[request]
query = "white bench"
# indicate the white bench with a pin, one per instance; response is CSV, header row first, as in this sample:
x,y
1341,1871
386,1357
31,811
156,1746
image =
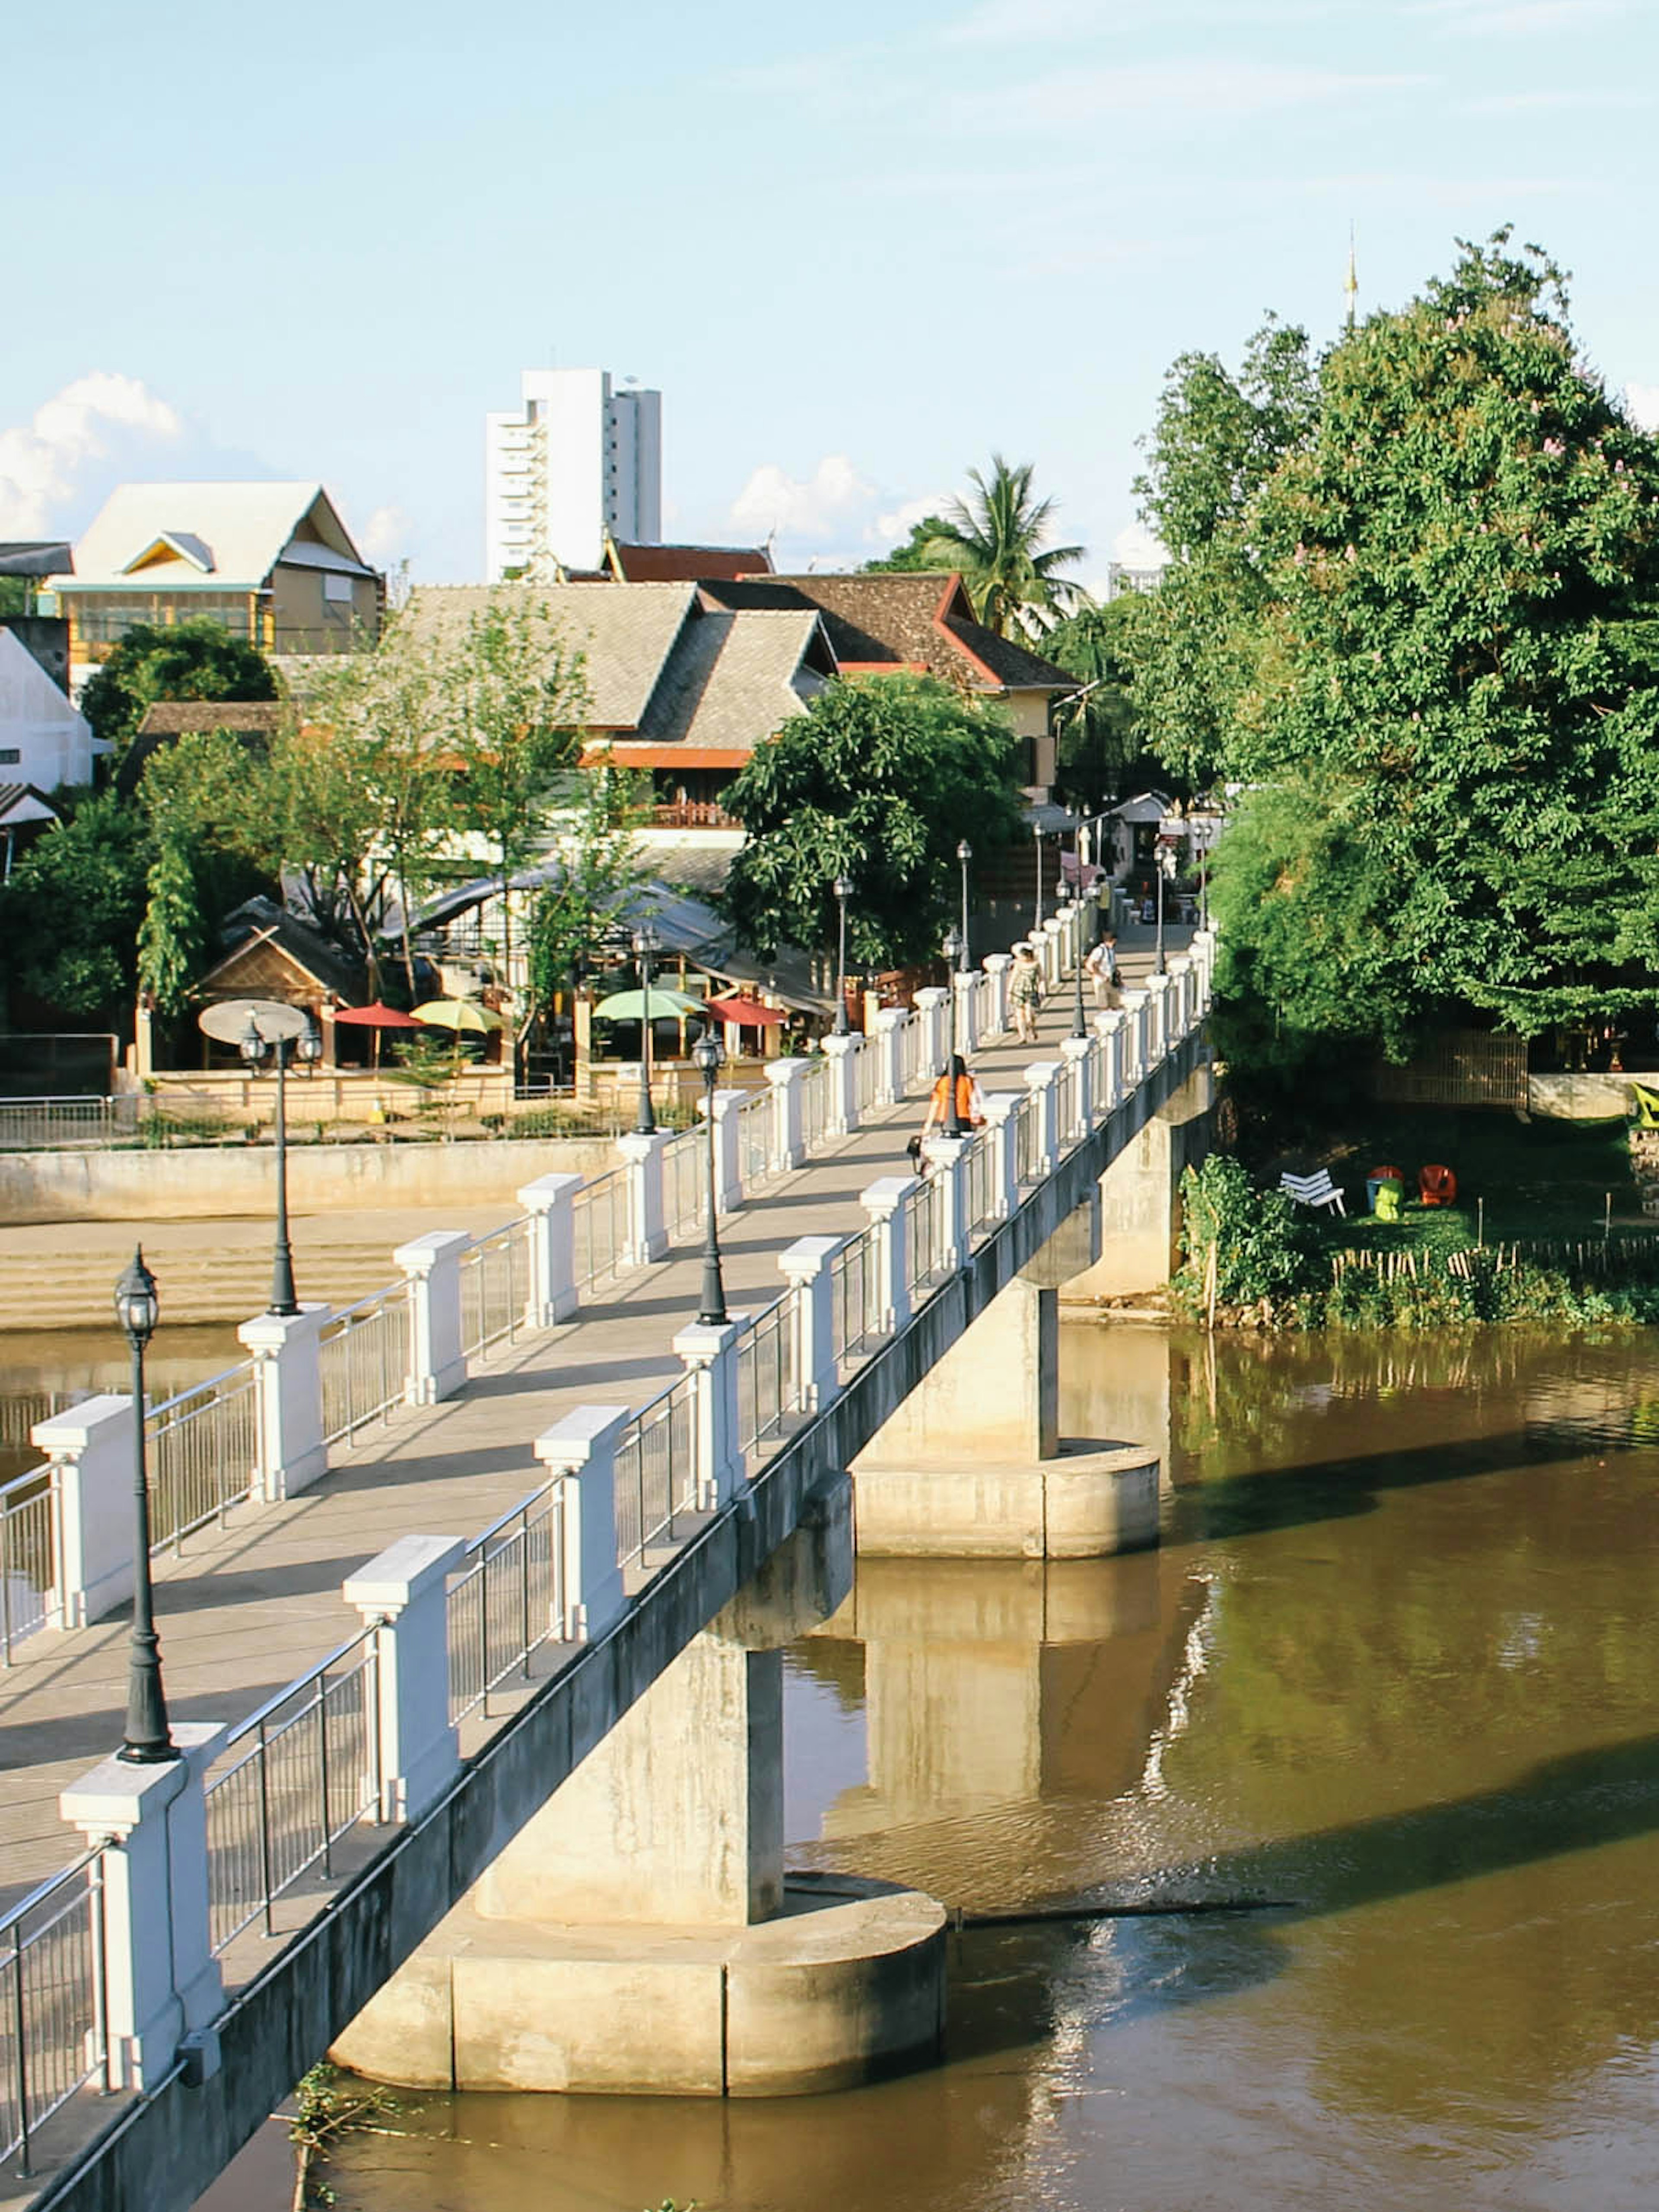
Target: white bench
x,y
1313,1190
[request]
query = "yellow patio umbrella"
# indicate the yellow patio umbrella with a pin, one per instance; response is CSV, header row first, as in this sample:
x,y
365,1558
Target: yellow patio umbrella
x,y
458,1015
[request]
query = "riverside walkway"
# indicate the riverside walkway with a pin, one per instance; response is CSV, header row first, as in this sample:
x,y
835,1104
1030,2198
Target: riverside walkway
x,y
247,1607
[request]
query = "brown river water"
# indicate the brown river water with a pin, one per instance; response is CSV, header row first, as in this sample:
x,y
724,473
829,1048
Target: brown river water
x,y
1388,1689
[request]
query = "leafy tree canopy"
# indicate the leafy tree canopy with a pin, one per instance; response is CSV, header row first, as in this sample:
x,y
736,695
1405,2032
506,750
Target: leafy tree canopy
x,y
1101,746
69,914
198,659
1433,646
877,781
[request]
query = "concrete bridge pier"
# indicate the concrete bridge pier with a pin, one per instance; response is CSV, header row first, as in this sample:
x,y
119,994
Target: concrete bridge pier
x,y
639,1935
1141,1198
972,1465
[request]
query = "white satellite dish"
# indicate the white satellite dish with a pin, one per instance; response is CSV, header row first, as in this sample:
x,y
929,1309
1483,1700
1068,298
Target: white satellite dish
x,y
228,1022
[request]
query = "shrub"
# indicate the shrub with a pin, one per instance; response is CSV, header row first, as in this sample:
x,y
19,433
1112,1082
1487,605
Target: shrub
x,y
1240,1244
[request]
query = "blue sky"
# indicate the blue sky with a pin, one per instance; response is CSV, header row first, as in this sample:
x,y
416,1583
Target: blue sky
x,y
857,249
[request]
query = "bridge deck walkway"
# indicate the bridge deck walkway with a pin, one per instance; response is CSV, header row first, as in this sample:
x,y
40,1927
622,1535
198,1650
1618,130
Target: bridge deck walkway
x,y
248,1607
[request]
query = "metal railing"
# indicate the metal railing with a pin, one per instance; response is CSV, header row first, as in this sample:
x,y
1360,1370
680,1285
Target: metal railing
x,y
494,1287
855,1306
769,1373
289,1785
28,1556
757,1117
1024,1119
656,1471
984,1198
599,1211
684,1174
203,1449
815,1106
364,1358
928,1228
507,1601
53,2015
33,1125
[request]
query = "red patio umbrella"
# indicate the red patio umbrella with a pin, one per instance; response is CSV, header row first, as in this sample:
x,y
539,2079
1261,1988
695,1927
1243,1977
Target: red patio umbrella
x,y
748,1012
376,1017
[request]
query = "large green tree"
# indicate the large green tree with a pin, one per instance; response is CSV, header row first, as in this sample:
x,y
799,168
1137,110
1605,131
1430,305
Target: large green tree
x,y
1101,744
877,781
70,915
998,537
198,659
1442,692
918,552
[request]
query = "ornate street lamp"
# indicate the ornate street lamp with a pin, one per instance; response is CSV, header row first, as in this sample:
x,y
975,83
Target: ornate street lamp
x,y
646,943
843,890
951,949
708,1055
254,1046
148,1742
965,853
1166,870
1080,1022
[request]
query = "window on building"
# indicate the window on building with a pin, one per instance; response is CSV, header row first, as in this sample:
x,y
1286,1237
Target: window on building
x,y
337,588
11,756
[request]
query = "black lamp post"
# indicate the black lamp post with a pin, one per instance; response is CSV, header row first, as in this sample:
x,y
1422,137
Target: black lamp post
x,y
1165,858
1036,926
148,1741
646,942
1080,1022
951,950
254,1046
708,1054
965,853
843,890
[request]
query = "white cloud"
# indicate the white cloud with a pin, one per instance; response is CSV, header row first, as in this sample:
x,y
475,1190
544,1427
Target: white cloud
x,y
773,502
1136,548
384,538
895,526
1643,401
45,464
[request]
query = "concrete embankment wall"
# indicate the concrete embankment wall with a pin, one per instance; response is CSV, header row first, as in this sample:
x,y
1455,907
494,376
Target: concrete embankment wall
x,y
197,1184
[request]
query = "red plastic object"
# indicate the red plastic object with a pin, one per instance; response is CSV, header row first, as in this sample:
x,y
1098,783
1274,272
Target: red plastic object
x,y
1436,1186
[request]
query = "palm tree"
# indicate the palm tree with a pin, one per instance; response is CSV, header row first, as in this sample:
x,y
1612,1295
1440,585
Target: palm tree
x,y
995,538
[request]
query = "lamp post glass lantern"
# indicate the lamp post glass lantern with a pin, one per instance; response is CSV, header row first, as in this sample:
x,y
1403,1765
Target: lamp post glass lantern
x,y
843,889
148,1740
1165,870
646,943
965,853
707,1054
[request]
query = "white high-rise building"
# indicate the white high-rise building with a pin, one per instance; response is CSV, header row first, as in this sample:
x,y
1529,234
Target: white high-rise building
x,y
579,462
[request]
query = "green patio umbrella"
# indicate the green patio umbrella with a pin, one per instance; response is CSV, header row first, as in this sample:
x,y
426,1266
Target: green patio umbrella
x,y
630,1006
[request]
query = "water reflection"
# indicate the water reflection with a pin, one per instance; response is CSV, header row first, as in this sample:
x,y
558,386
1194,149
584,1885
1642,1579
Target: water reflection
x,y
1391,1671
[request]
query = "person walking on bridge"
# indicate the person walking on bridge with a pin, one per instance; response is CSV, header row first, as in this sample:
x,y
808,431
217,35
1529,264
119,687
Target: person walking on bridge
x,y
971,1099
1025,992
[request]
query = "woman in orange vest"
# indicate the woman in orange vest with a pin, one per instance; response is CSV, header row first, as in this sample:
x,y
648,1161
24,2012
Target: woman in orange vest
x,y
970,1102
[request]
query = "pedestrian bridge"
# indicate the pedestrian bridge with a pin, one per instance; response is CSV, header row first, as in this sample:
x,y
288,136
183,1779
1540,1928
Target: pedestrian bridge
x,y
415,1561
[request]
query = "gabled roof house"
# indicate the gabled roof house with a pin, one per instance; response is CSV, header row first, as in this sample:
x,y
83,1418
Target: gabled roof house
x,y
272,561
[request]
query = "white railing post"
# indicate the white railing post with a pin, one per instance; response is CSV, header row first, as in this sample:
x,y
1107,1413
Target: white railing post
x,y
709,1350
1050,954
805,1267
1202,950
788,1124
947,1159
90,1449
728,1151
432,1264
997,965
966,987
581,1448
647,1218
842,1054
162,1981
933,1005
1181,996
550,1203
1041,1080
287,1399
888,1044
404,1592
887,1202
1079,1053
1135,1004
1000,1108
1158,1042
